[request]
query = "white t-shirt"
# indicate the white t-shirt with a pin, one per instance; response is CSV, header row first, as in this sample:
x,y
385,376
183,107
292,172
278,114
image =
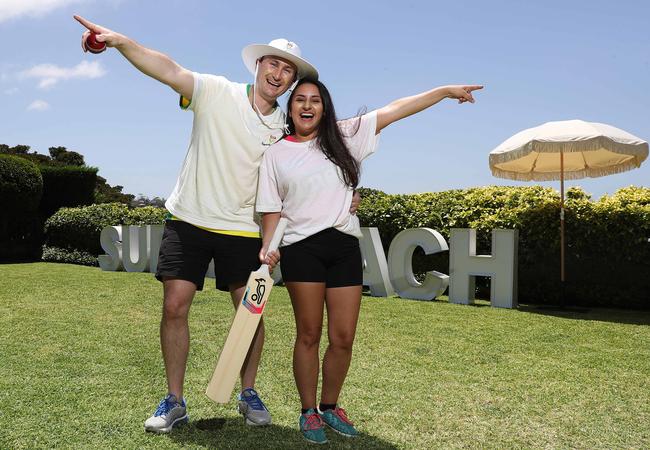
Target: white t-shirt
x,y
218,181
297,179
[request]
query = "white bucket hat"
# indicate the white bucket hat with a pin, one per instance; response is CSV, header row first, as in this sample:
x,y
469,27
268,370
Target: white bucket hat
x,y
281,48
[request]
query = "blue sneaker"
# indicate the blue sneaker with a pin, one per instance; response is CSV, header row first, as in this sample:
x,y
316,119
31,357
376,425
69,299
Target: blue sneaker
x,y
338,421
169,414
311,427
252,408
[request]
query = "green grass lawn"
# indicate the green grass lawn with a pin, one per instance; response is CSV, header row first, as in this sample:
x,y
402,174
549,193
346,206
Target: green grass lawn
x,y
80,367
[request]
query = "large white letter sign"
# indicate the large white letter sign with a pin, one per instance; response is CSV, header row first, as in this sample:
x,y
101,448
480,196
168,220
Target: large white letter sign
x,y
375,270
154,237
210,272
501,267
135,254
277,274
400,264
111,242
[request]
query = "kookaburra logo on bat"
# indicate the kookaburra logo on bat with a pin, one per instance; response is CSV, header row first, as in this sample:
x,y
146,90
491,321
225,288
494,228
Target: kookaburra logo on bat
x,y
259,291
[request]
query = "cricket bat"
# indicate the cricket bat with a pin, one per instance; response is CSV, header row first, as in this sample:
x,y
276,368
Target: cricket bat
x,y
247,318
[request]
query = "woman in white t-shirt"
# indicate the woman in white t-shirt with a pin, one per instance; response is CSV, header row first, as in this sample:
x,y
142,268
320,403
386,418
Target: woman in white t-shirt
x,y
309,178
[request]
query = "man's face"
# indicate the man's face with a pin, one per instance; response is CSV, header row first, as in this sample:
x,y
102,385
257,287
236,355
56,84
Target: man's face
x,y
274,76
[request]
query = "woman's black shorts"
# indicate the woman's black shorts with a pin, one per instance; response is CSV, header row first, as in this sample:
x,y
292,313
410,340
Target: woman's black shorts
x,y
329,256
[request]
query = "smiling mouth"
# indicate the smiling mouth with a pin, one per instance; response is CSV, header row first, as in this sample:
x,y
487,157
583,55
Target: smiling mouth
x,y
306,116
276,85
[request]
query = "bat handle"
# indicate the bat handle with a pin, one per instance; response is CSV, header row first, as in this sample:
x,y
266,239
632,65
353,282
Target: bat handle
x,y
277,235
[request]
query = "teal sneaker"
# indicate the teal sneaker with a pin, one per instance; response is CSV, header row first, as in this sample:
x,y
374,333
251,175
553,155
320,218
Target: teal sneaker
x,y
311,427
338,421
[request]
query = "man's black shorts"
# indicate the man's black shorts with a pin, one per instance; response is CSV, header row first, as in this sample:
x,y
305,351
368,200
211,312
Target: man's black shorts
x,y
329,256
186,251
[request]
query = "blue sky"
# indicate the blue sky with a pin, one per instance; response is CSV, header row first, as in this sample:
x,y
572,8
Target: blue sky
x,y
539,61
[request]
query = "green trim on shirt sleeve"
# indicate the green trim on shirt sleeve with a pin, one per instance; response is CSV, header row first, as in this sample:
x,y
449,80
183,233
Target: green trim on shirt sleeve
x,y
184,103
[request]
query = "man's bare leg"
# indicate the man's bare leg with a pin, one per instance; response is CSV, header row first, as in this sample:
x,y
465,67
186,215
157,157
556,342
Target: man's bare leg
x,y
174,331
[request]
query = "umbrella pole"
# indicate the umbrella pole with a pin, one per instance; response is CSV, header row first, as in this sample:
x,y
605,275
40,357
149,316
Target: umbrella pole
x,y
562,227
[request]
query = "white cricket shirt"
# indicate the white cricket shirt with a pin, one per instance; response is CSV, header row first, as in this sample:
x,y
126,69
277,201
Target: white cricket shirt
x,y
218,181
297,179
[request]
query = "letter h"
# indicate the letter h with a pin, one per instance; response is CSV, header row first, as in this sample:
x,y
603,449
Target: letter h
x,y
501,267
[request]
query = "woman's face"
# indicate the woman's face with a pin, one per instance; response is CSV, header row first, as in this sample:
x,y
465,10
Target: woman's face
x,y
306,110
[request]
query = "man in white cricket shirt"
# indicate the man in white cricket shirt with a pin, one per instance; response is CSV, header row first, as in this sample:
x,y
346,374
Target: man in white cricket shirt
x,y
212,205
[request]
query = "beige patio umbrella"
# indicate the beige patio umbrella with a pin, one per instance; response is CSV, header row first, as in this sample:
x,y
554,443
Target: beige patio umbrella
x,y
569,149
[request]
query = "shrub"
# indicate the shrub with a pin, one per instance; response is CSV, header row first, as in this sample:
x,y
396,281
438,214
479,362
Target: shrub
x,y
67,186
78,229
21,187
68,256
21,184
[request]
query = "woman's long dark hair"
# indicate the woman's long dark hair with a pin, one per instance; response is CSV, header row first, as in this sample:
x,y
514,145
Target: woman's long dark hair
x,y
329,138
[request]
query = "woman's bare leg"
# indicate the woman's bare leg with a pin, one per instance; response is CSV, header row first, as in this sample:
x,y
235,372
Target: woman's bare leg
x,y
307,299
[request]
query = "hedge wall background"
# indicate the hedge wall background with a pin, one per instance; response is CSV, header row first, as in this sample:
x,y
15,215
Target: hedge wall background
x,y
67,186
21,187
607,241
607,253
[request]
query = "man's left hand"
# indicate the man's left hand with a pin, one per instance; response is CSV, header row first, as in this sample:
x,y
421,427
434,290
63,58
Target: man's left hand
x,y
356,201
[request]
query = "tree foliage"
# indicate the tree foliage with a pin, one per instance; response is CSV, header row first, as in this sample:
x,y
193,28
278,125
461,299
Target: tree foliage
x,y
60,156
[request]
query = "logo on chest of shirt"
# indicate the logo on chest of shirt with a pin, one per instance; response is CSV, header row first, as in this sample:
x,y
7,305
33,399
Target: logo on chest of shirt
x,y
270,140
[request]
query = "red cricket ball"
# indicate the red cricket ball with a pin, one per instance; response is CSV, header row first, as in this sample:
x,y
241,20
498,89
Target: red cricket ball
x,y
92,45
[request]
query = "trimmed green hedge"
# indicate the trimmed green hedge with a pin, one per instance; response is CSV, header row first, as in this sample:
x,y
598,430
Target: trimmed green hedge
x,y
607,254
67,186
68,256
21,184
77,230
608,241
21,187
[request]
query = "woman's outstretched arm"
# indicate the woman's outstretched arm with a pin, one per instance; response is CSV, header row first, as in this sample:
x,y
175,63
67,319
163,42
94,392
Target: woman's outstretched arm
x,y
407,106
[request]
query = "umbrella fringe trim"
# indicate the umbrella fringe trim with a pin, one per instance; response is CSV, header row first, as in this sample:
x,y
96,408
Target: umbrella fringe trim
x,y
638,151
574,175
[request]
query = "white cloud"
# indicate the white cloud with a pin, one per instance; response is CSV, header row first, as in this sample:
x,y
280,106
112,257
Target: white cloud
x,y
38,105
50,74
11,91
11,9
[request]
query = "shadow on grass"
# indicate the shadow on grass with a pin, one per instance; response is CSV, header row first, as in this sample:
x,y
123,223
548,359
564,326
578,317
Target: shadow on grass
x,y
233,433
632,317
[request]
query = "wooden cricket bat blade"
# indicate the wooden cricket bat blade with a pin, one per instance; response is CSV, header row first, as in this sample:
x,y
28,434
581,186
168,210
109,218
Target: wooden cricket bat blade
x,y
243,328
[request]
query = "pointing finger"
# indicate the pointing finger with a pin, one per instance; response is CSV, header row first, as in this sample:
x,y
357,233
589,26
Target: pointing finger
x,y
91,26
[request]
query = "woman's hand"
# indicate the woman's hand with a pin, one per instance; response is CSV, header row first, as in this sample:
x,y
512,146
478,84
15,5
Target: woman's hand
x,y
270,258
463,93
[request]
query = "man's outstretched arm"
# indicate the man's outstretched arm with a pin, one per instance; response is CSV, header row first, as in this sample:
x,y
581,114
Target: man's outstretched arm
x,y
150,62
